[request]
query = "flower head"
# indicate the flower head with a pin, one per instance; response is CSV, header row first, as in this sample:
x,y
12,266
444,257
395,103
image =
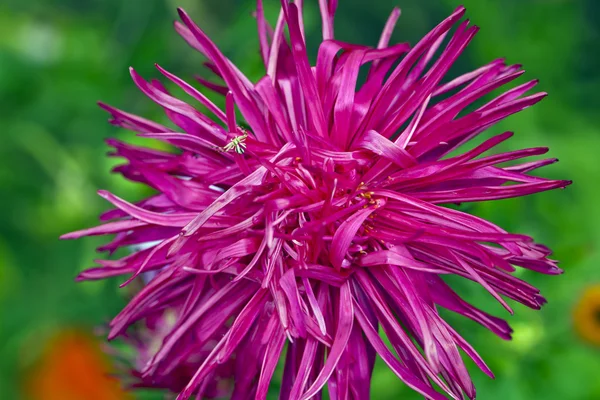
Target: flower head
x,y
326,221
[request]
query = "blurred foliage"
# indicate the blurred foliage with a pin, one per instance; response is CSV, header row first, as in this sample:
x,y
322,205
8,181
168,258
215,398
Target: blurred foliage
x,y
58,57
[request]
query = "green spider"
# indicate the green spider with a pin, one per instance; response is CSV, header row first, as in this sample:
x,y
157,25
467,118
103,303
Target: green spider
x,y
237,144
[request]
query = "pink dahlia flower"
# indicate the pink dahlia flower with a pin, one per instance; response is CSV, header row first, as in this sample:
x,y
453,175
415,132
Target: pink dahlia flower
x,y
323,223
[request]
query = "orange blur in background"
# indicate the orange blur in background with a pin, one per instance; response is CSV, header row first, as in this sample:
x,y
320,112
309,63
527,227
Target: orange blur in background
x,y
72,367
587,315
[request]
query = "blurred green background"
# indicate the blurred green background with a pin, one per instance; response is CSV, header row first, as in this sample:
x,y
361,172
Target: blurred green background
x,y
58,57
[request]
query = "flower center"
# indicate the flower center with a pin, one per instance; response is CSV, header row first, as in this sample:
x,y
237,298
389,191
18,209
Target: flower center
x,y
597,315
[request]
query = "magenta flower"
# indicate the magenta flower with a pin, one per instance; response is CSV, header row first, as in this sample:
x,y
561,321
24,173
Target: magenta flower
x,y
323,223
